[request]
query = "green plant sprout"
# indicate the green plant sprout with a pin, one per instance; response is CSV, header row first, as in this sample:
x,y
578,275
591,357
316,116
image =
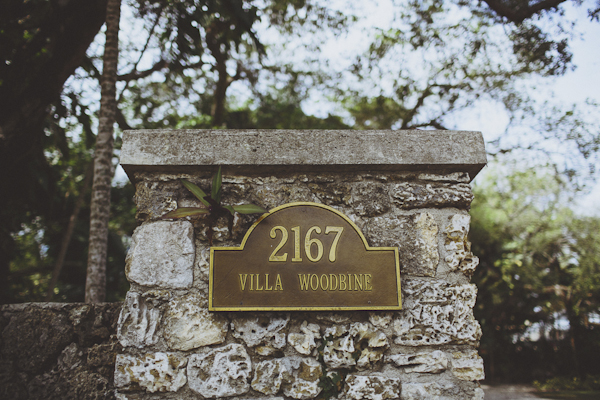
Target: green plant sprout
x,y
212,207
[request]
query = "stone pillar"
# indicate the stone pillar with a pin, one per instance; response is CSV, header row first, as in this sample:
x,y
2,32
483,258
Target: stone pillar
x,y
405,189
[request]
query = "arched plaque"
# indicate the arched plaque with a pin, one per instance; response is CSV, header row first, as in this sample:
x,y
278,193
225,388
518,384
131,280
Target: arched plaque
x,y
304,256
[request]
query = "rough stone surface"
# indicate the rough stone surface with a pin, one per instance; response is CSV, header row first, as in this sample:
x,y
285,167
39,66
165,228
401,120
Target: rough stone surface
x,y
58,351
457,247
162,255
156,372
372,387
264,331
414,235
427,391
138,322
436,312
424,362
220,372
188,325
341,351
408,195
268,376
467,365
457,151
303,382
304,342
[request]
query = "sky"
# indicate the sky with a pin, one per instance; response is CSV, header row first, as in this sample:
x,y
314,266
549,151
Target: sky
x,y
575,86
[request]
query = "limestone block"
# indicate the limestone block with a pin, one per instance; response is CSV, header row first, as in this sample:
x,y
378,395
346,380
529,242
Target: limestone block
x,y
424,391
372,387
414,235
409,195
157,372
188,325
462,177
424,362
268,376
162,255
467,365
138,322
370,199
304,342
457,247
268,332
380,319
303,382
478,394
220,372
346,340
155,199
331,193
436,312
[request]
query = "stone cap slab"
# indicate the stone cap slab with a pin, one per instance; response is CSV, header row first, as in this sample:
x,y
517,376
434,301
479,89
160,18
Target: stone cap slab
x,y
280,151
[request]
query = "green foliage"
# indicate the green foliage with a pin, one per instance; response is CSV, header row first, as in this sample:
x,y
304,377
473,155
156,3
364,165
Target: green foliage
x,y
212,206
538,264
560,383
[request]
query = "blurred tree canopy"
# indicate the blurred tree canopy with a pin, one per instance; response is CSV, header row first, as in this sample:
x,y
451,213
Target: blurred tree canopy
x,y
264,64
538,277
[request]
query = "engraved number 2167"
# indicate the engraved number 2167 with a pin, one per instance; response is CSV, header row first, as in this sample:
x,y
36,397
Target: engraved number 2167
x,y
309,243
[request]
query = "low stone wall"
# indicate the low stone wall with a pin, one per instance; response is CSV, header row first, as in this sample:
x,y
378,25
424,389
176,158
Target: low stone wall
x,y
58,351
175,347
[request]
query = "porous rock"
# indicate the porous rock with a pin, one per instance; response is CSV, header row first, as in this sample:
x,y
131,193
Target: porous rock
x,y
220,372
414,235
304,342
188,325
372,387
436,312
162,255
341,351
467,365
424,361
266,331
138,322
156,372
303,382
424,194
457,247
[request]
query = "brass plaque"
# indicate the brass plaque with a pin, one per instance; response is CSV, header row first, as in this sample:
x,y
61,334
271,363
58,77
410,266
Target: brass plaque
x,y
304,256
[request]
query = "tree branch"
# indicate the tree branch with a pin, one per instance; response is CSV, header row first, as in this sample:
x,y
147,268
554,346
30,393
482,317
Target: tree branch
x,y
518,14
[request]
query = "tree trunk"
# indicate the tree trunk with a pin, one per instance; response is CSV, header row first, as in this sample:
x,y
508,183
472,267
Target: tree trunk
x,y
95,285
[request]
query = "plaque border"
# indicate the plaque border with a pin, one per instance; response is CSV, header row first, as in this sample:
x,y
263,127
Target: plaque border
x,y
295,308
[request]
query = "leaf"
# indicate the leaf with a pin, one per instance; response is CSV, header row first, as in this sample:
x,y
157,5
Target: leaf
x,y
249,209
230,209
196,191
185,212
216,186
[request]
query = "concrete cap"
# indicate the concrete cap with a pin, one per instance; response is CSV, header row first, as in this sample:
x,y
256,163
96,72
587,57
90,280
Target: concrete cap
x,y
276,151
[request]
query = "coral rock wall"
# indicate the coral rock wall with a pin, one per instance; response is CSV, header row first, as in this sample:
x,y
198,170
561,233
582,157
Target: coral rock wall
x,y
173,348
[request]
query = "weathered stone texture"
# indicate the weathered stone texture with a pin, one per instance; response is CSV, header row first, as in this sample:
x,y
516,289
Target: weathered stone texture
x,y
436,312
409,195
304,342
58,351
363,338
220,372
303,382
414,235
189,325
156,372
264,332
372,387
162,255
138,322
467,365
457,247
423,362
